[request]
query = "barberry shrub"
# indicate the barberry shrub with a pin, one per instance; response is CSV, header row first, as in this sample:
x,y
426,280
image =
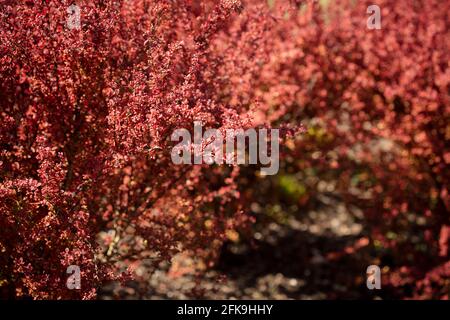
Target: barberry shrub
x,y
86,176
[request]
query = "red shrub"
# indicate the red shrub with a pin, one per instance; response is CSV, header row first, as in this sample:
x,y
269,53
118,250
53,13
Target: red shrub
x,y
378,108
87,116
86,120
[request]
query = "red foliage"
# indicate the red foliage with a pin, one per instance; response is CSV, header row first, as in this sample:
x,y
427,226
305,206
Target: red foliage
x,y
86,122
379,106
87,117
